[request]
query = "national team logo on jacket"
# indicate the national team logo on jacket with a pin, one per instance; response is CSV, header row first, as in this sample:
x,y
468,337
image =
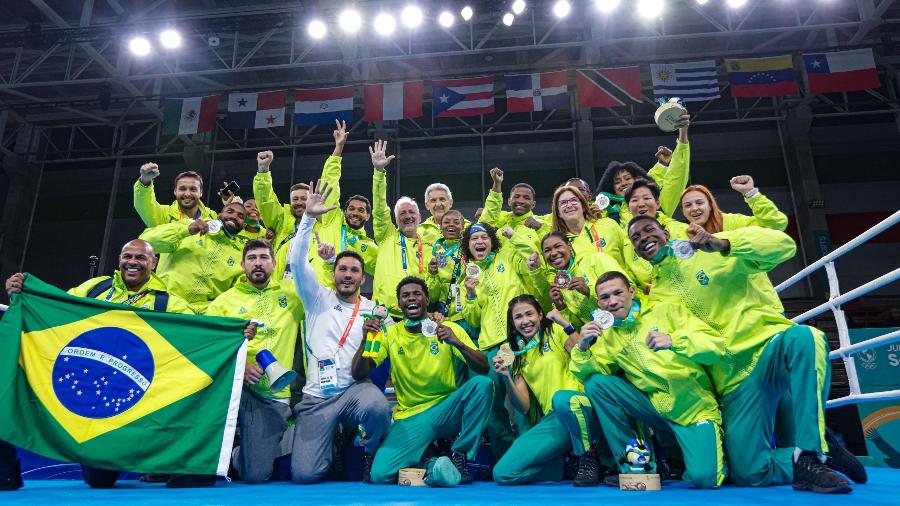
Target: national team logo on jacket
x,y
230,262
501,268
546,347
282,301
702,278
242,310
363,247
433,348
602,242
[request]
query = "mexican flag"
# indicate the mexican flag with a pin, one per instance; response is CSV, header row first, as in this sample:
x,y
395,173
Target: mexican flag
x,y
190,115
116,387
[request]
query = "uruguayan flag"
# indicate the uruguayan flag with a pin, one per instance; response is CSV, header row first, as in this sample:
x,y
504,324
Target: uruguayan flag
x,y
691,82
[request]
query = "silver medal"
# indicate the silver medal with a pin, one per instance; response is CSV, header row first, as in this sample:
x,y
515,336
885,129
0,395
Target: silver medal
x,y
602,201
473,271
213,226
603,318
429,328
682,249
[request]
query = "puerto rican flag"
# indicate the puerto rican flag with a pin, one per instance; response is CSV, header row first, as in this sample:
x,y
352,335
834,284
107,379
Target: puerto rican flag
x,y
256,110
393,101
841,71
536,92
463,97
323,106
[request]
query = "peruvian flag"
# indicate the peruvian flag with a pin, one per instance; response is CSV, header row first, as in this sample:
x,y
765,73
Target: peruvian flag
x,y
841,71
392,101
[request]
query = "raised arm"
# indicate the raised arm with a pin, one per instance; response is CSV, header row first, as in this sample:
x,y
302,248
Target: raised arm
x,y
493,204
270,209
765,213
381,213
759,249
151,212
305,280
331,173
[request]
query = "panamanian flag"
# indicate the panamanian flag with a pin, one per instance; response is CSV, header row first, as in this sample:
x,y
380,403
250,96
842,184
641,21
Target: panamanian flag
x,y
323,106
536,92
256,110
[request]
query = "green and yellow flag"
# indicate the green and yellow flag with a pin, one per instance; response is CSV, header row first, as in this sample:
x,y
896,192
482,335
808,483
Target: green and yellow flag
x,y
117,387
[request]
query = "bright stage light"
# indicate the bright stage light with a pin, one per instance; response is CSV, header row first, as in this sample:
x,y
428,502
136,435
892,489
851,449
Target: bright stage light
x,y
384,24
350,21
466,13
508,19
650,8
701,2
446,19
607,5
736,4
316,29
139,46
518,6
561,8
411,16
170,39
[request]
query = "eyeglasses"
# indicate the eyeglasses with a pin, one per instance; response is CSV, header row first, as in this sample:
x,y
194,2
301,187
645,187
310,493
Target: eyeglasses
x,y
563,203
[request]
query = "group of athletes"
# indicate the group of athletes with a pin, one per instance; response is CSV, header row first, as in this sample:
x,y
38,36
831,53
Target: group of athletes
x,y
557,338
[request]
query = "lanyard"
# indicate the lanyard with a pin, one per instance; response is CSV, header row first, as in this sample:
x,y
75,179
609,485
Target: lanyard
x,y
531,344
633,314
130,300
418,252
595,237
289,237
451,251
181,214
349,324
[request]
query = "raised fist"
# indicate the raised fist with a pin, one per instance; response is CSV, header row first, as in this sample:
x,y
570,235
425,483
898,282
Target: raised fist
x,y
149,172
742,184
264,160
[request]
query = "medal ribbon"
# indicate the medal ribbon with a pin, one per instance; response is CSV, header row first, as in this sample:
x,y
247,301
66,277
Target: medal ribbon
x,y
663,253
633,314
532,343
349,324
595,237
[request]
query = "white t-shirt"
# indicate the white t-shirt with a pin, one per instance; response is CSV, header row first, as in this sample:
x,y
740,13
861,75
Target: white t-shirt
x,y
327,317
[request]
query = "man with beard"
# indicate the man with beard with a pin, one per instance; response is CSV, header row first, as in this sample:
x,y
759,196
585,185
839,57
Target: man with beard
x,y
401,250
424,358
187,204
134,284
767,354
438,200
202,258
520,217
331,396
272,305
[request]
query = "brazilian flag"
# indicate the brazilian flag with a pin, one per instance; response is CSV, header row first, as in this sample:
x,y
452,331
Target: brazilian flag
x,y
116,387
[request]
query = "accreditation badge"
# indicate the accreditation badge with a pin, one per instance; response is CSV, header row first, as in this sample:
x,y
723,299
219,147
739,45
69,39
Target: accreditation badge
x,y
214,226
669,114
327,374
603,318
682,249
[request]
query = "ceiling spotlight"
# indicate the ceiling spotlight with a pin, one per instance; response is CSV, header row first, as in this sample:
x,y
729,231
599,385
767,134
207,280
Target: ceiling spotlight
x,y
446,19
518,6
736,4
466,13
561,8
701,2
170,39
650,8
508,19
139,46
607,5
384,24
350,21
411,16
316,29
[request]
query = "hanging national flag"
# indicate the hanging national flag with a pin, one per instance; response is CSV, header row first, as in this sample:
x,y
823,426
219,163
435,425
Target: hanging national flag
x,y
116,387
256,110
772,76
613,87
324,105
392,101
536,92
691,82
841,71
462,97
190,115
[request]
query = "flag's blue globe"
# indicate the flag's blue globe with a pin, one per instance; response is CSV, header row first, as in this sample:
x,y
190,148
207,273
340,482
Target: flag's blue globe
x,y
102,372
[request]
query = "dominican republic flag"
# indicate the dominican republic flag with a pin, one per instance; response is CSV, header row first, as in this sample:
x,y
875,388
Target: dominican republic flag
x,y
691,82
256,110
189,115
772,76
463,97
613,87
536,92
392,101
324,105
841,71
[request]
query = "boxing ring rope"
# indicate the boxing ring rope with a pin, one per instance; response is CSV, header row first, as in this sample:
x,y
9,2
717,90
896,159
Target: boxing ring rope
x,y
836,298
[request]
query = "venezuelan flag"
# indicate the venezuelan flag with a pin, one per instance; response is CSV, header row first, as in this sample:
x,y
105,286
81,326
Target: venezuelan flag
x,y
117,387
772,76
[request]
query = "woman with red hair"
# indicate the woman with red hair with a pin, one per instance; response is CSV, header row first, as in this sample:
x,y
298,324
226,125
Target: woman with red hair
x,y
700,208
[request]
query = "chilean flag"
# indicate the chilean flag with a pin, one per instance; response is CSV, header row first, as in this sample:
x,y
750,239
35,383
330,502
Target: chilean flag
x,y
392,101
841,71
463,97
323,106
536,92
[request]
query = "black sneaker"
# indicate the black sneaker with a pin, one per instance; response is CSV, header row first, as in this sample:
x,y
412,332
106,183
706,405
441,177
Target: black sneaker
x,y
191,481
588,474
841,460
368,458
12,481
611,480
462,465
811,475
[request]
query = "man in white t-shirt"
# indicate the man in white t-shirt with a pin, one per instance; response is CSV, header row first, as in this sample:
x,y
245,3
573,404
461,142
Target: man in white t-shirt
x,y
334,331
